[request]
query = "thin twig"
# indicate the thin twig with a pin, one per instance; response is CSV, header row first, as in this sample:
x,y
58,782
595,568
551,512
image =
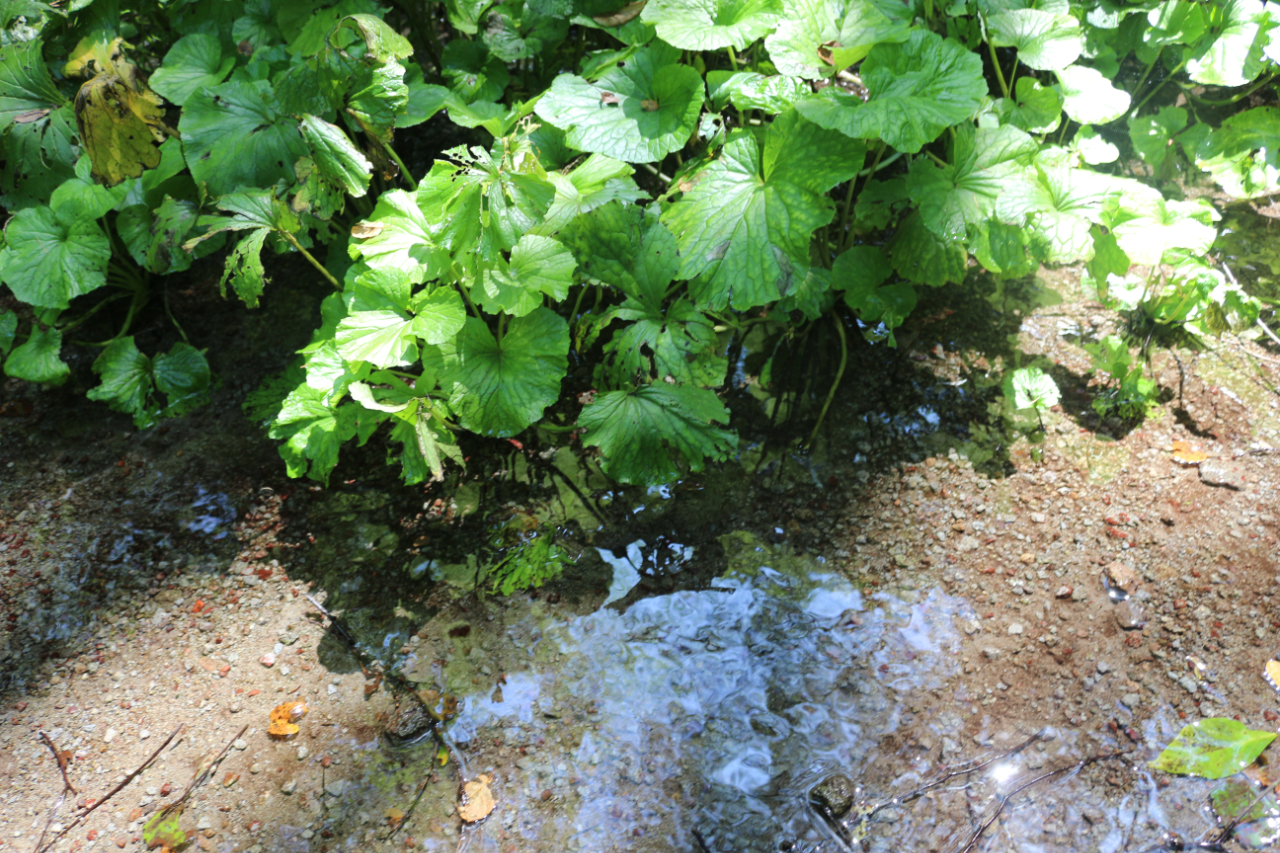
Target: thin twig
x,y
62,763
143,766
1270,334
204,772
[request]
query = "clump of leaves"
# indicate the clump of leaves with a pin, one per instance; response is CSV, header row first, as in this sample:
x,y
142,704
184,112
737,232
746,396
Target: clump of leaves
x,y
799,164
1128,394
529,565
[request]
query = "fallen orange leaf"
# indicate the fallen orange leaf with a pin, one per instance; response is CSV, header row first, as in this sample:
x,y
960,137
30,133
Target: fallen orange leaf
x,y
284,719
476,801
395,816
1183,454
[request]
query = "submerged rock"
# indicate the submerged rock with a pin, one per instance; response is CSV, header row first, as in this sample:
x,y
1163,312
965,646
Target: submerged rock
x,y
836,794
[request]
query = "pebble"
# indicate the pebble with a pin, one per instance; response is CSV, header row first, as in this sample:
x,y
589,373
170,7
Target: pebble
x,y
268,660
1037,517
1122,576
992,653
289,787
204,823
236,707
1064,591
303,753
1217,472
144,734
1130,700
109,736
1128,615
255,768
1104,667
336,788
1015,628
240,744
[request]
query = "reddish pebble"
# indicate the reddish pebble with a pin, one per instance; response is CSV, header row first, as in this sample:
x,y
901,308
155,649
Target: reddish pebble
x,y
198,606
1179,603
21,706
254,692
223,670
546,795
93,835
268,660
166,790
1064,591
122,841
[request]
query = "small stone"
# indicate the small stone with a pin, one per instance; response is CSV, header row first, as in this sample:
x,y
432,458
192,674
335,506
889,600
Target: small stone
x,y
1015,628
110,736
336,788
1104,667
1218,472
1037,517
303,753
1064,591
1028,558
1129,615
1130,700
1122,576
255,768
268,660
289,787
967,543
992,653
240,744
236,707
288,638
144,734
204,822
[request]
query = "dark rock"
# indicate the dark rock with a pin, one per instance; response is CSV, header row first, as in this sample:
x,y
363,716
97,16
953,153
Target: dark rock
x,y
836,794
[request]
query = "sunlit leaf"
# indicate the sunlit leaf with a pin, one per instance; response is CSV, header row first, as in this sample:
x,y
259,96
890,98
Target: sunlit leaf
x,y
1213,748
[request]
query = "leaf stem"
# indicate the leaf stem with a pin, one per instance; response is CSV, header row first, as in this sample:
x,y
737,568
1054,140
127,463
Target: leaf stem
x,y
404,170
319,266
467,297
173,319
733,59
1186,90
844,360
1156,88
502,326
995,63
1142,80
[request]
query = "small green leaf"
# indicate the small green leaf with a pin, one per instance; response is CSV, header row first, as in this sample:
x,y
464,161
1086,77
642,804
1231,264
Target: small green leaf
x,y
640,112
313,431
379,100
805,26
499,388
1088,96
1213,748
383,338
37,359
51,260
402,240
1047,41
182,375
627,247
162,830
244,268
126,378
438,315
1243,155
711,24
336,156
916,90
1092,148
1233,52
748,90
539,266
1239,803
193,62
234,137
472,72
637,430
25,84
922,256
1034,389
381,42
678,344
1034,108
8,330
1152,135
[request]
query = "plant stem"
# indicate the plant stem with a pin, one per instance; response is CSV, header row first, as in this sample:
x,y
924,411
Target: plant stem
x,y
935,158
733,59
502,326
844,360
404,170
995,63
1157,87
115,297
577,303
173,319
1146,72
1227,101
470,304
319,266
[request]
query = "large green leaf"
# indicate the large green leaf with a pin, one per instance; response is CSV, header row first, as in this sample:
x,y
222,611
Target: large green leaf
x,y
233,137
625,246
1243,155
381,42
438,314
637,430
866,25
472,72
313,431
1059,204
126,377
1047,41
384,338
745,224
678,344
748,90
711,24
592,183
336,156
640,112
52,261
193,62
1152,135
39,156
539,266
26,88
1213,748
1088,96
1233,52
922,256
379,99
82,199
1146,225
1034,108
130,380
398,238
513,31
916,90
37,359
962,194
497,387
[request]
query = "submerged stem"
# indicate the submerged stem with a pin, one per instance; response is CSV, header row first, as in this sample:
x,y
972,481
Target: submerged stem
x,y
844,360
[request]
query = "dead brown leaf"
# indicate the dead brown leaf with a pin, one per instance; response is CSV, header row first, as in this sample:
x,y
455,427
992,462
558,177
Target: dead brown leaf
x,y
622,16
477,800
365,230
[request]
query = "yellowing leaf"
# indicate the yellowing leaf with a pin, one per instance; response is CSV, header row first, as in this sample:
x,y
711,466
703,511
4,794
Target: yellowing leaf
x,y
284,719
120,123
365,230
476,801
395,817
91,57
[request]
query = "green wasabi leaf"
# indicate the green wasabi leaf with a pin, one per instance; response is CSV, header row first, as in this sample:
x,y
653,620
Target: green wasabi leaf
x,y
438,315
866,25
1089,97
594,182
379,100
313,432
399,238
916,90
244,268
308,29
805,26
1059,204
627,247
25,84
1047,41
336,157
257,26
985,163
1232,53
193,62
1091,148
1147,226
425,100
1176,22
1242,154
678,344
126,378
1213,748
1034,389
472,73
381,42
39,157
748,90
52,261
426,443
640,112
233,137
182,375
1152,135
636,431
744,225
82,199
384,338
922,256
499,388
8,330
1005,250
539,266
37,359
1034,108
513,31
860,272
711,24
